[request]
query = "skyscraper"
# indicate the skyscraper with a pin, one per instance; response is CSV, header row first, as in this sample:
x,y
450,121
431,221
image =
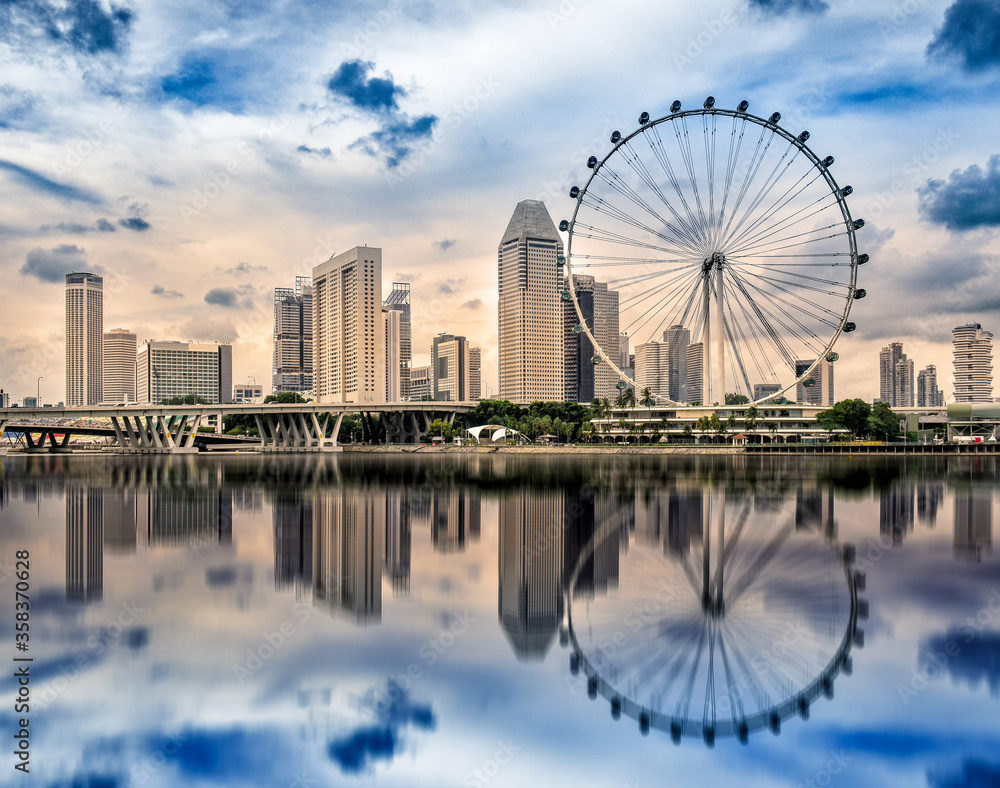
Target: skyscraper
x,y
348,329
292,365
928,393
475,373
392,330
165,370
530,315
905,382
585,380
696,372
973,537
452,369
820,392
888,358
84,338
118,376
420,383
663,366
398,300
293,542
973,353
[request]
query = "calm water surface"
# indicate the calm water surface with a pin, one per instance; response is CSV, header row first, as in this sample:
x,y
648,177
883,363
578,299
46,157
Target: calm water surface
x,y
503,620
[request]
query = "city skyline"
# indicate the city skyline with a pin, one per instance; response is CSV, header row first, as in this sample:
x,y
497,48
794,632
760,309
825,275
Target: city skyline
x,y
242,164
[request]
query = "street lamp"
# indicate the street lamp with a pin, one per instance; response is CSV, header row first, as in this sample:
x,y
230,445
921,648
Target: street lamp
x,y
38,391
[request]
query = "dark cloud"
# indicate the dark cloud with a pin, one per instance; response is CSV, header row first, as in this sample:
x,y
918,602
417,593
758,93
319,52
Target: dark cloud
x,y
223,296
411,278
968,200
783,7
970,34
136,223
977,659
160,290
475,303
215,77
972,774
101,225
39,182
326,153
82,25
445,244
16,107
355,752
104,226
397,138
52,265
246,268
450,286
373,94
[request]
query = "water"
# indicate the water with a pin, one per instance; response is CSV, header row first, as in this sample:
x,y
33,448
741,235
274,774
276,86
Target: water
x,y
404,620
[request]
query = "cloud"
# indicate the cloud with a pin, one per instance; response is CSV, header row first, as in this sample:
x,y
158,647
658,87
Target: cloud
x,y
52,265
968,200
970,34
973,774
450,286
445,244
73,228
136,223
210,329
104,226
475,303
160,290
397,138
38,182
324,152
223,296
411,278
783,7
245,268
977,660
16,107
215,77
82,25
356,751
372,94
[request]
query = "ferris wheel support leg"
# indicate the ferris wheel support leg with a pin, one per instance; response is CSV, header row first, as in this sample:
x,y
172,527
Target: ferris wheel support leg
x,y
706,372
720,340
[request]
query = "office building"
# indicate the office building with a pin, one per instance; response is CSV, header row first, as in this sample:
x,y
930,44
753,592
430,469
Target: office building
x,y
695,373
4,399
118,376
292,363
765,390
84,544
820,390
84,339
530,314
165,370
455,518
585,380
420,383
391,329
248,393
928,393
30,402
475,373
348,535
905,383
201,517
348,329
662,366
897,384
973,358
452,369
398,301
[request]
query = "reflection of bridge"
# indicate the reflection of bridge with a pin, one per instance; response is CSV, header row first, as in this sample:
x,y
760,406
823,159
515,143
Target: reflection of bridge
x,y
162,429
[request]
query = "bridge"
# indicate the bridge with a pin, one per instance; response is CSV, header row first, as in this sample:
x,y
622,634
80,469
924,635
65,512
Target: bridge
x,y
174,429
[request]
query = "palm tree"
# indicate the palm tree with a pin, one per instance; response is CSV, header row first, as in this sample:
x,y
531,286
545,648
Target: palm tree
x,y
620,399
647,399
773,427
688,432
750,421
704,424
629,397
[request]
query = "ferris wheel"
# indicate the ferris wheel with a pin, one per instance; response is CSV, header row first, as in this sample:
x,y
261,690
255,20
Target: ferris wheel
x,y
733,621
730,246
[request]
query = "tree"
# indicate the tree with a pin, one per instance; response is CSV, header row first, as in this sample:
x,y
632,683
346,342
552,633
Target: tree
x,y
716,424
647,400
731,422
750,419
442,428
187,399
737,399
704,423
883,424
629,397
848,414
285,398
688,432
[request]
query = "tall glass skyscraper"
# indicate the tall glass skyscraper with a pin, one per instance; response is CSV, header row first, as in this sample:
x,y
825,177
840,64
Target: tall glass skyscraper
x,y
292,367
84,338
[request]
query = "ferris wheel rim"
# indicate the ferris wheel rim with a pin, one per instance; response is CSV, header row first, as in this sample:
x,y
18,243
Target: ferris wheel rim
x,y
728,727
801,145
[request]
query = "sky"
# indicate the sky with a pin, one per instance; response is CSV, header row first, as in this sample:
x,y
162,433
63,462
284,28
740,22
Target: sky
x,y
200,154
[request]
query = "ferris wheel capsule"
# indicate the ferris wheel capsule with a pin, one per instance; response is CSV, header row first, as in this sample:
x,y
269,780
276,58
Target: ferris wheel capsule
x,y
863,258
831,357
743,106
849,326
847,191
574,192
644,119
616,137
860,293
804,137
565,295
709,102
577,329
596,360
564,225
859,223
775,117
620,384
675,107
592,162
828,161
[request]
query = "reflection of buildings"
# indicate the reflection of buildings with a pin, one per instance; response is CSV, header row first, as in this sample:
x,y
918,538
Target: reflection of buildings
x,y
531,563
348,534
930,496
119,520
455,519
185,518
673,519
586,517
973,523
293,544
84,544
396,561
814,509
895,514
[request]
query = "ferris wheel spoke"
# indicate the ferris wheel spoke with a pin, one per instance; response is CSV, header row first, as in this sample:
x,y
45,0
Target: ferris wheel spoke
x,y
755,162
632,282
613,262
727,327
749,248
684,143
639,167
735,144
679,241
606,236
660,154
778,204
765,321
735,701
761,231
761,354
832,282
760,697
710,683
786,308
637,325
684,701
781,285
710,169
766,555
770,182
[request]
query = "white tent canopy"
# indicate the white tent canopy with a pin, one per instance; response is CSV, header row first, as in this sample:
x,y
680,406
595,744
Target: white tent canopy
x,y
497,432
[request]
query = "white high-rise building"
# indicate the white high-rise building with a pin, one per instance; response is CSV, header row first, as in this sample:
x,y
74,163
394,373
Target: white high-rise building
x,y
905,383
456,369
820,391
888,361
392,326
420,383
928,393
119,366
530,314
398,300
84,338
292,365
348,328
973,354
165,370
475,373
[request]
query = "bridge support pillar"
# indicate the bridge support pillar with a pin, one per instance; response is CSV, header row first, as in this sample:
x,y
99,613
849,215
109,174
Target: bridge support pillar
x,y
157,435
297,432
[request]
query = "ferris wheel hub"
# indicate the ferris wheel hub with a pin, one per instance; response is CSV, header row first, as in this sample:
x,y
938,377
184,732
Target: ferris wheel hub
x,y
714,262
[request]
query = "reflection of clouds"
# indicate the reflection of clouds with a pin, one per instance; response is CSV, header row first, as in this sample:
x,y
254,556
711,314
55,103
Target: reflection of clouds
x,y
356,751
977,659
973,773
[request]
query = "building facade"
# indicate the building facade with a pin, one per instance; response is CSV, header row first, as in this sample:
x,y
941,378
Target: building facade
x,y
530,315
928,393
420,383
119,366
585,380
821,391
663,366
455,378
695,373
348,328
165,370
972,347
84,339
248,393
292,365
398,301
